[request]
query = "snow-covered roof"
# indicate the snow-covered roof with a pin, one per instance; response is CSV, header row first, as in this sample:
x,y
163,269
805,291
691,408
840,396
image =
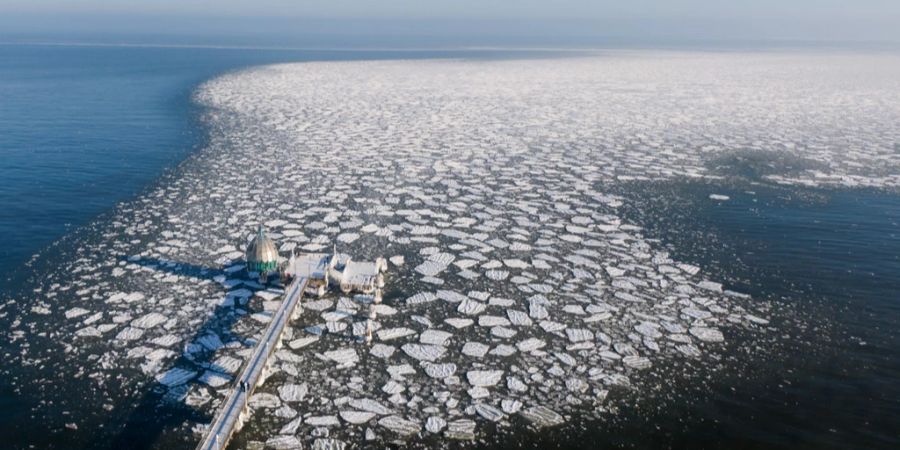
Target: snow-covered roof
x,y
311,265
360,273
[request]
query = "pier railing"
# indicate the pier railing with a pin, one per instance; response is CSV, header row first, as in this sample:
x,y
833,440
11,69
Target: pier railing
x,y
229,418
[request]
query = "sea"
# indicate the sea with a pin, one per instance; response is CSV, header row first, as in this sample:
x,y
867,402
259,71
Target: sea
x,y
84,127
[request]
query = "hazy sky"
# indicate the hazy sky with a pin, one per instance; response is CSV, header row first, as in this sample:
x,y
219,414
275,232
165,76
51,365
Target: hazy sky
x,y
549,20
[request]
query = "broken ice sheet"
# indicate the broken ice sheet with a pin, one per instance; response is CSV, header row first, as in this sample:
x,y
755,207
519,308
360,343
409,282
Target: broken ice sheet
x,y
545,273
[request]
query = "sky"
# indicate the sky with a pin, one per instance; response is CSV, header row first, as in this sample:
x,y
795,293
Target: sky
x,y
466,22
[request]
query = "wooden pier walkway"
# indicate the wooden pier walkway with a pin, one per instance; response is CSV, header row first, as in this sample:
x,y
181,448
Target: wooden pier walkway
x,y
234,411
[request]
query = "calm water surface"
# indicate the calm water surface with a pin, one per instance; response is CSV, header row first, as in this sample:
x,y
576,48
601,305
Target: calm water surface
x,y
831,258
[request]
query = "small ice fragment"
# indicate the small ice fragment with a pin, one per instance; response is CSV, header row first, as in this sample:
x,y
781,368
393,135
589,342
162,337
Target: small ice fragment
x,y
457,322
707,334
382,350
399,425
470,307
636,362
516,385
322,421
214,379
463,429
484,377
394,333
492,321
175,376
424,352
488,412
293,392
510,406
421,297
530,344
264,400
370,405
284,443
475,349
302,342
756,319
344,356
434,337
579,334
357,417
440,371
435,424
542,416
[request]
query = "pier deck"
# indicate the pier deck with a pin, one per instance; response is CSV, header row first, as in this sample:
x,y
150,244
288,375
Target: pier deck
x,y
230,415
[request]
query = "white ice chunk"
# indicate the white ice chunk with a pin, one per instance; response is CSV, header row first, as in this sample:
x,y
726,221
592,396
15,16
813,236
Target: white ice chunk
x,y
484,378
707,334
424,352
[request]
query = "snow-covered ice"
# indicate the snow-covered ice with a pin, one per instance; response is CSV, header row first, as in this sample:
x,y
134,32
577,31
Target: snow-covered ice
x,y
516,284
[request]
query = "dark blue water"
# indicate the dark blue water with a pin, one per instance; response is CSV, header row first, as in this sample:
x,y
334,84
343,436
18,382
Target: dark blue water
x,y
84,127
830,262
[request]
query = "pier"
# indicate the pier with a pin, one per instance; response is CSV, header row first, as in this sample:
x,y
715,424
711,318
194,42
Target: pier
x,y
235,409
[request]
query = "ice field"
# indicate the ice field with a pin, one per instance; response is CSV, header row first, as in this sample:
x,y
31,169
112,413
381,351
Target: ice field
x,y
516,292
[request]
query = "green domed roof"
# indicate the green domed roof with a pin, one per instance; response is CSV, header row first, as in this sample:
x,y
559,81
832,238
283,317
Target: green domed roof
x,y
261,253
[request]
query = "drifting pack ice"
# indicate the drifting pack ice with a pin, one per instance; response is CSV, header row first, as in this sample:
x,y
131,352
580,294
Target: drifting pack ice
x,y
517,293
